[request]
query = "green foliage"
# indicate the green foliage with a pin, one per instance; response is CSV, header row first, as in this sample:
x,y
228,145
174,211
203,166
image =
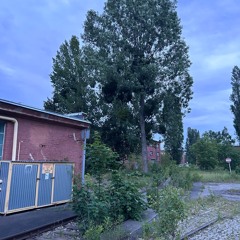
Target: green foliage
x,y
119,132
171,209
237,170
221,137
213,148
193,136
94,232
172,117
216,175
230,152
90,204
72,91
126,199
98,205
181,177
136,59
159,174
100,159
235,98
166,160
206,153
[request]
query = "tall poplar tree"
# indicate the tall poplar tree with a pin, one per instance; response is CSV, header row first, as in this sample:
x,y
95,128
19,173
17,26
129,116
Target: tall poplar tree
x,y
140,56
193,136
72,91
172,116
235,98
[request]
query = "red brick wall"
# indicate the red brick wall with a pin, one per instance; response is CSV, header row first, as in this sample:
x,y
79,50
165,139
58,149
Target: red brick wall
x,y
8,141
44,141
153,152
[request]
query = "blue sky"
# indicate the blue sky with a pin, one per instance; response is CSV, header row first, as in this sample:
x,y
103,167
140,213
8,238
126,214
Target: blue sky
x,y
32,31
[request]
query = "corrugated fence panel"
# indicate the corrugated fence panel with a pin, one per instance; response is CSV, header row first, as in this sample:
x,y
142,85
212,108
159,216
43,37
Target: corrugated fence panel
x,y
23,186
4,167
63,182
45,187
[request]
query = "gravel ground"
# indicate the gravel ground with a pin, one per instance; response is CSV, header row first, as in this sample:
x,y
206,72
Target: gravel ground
x,y
222,216
66,232
226,229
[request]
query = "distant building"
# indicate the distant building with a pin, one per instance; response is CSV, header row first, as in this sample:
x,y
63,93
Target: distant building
x,y
154,151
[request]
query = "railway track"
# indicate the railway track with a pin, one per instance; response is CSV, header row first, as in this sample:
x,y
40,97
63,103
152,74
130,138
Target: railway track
x,y
34,232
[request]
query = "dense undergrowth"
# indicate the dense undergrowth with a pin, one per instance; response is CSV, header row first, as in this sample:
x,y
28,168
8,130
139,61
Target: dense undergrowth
x,y
112,194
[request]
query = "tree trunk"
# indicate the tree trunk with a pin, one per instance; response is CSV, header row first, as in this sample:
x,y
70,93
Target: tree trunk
x,y
143,136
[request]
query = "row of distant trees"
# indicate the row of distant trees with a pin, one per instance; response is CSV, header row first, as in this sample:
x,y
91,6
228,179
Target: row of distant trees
x,y
212,148
130,75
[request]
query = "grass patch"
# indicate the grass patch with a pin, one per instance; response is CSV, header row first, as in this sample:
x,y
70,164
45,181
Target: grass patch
x,y
217,176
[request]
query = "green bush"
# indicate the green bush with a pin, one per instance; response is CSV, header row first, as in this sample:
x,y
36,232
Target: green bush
x,y
118,199
181,177
91,204
100,159
170,208
126,199
94,232
237,170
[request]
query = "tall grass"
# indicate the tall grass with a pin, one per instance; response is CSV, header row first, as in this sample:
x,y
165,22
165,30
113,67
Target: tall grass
x,y
217,176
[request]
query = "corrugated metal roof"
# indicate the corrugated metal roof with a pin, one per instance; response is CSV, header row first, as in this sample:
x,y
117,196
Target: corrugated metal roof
x,y
67,116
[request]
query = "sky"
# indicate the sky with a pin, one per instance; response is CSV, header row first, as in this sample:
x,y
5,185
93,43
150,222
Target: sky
x,y
32,31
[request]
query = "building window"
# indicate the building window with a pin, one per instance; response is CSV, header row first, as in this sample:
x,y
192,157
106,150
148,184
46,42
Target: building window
x,y
151,153
2,126
157,153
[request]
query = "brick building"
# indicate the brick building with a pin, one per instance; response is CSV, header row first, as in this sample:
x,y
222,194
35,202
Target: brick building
x,y
30,134
154,151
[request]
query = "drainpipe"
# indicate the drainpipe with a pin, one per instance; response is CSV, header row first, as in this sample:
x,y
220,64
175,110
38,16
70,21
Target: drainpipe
x,y
84,156
85,135
15,133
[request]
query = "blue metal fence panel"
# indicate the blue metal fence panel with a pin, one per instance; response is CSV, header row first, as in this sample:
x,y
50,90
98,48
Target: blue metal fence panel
x,y
63,182
45,187
23,186
4,167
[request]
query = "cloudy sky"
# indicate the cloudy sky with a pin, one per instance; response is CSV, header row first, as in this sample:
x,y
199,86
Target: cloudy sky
x,y
32,31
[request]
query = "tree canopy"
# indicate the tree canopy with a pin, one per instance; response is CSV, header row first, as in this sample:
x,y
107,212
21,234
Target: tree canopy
x,y
193,136
138,55
172,117
73,91
235,98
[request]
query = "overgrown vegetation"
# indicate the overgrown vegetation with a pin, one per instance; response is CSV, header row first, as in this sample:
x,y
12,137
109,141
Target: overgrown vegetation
x,y
217,175
104,201
171,209
112,193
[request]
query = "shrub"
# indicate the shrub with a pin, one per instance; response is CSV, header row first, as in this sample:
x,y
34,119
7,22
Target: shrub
x,y
126,199
118,199
91,204
94,232
181,177
170,208
237,170
100,159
